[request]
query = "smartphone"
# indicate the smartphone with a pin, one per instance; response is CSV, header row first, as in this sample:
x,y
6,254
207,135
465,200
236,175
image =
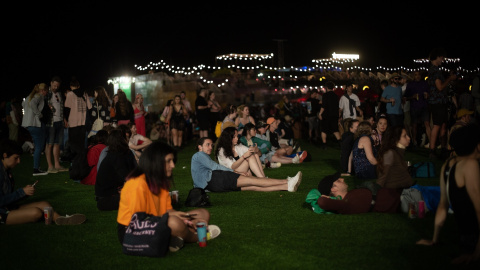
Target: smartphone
x,y
35,183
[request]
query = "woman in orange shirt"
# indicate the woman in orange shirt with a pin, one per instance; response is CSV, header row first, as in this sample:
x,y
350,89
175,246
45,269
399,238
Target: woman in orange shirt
x,y
147,190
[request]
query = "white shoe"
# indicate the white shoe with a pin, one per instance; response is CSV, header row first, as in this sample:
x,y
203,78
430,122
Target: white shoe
x,y
275,165
294,182
296,159
213,232
427,145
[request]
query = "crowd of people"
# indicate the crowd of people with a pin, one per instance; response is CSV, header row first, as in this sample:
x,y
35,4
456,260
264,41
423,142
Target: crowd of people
x,y
131,161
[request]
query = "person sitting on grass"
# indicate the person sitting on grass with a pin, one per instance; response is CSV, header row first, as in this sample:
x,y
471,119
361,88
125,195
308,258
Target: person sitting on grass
x,y
137,142
12,210
460,188
263,148
209,175
237,156
364,154
280,154
346,145
147,190
117,163
355,201
392,168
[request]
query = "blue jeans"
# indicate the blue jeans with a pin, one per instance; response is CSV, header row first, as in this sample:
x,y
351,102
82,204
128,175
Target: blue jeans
x,y
38,136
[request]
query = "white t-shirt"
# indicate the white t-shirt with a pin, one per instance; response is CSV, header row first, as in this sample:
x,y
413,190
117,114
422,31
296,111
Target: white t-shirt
x,y
344,105
227,162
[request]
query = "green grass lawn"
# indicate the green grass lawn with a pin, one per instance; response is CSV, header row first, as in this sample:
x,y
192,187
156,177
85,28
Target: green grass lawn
x,y
275,230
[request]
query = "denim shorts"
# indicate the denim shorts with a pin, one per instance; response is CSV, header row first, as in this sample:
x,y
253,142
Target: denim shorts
x,y
55,133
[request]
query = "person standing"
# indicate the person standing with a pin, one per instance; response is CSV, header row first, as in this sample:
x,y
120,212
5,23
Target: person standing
x,y
201,111
438,99
215,110
329,114
416,92
187,135
313,107
54,127
33,106
392,95
139,114
349,104
75,114
123,109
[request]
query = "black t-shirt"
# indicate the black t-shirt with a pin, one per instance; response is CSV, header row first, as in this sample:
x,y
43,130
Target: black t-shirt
x,y
315,103
330,102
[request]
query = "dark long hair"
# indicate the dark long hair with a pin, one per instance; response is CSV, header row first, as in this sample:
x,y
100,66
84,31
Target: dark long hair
x,y
102,97
389,142
117,141
152,164
225,142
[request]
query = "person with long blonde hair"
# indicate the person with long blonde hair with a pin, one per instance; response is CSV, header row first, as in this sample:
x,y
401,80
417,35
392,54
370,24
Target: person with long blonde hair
x,y
33,106
139,114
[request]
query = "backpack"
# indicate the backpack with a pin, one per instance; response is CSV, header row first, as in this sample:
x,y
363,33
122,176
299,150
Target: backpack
x,y
423,170
197,197
80,168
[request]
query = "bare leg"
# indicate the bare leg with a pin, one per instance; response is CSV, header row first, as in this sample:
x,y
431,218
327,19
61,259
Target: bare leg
x,y
428,130
56,156
433,136
180,137
175,137
324,137
179,228
48,155
337,135
264,184
255,166
282,159
28,213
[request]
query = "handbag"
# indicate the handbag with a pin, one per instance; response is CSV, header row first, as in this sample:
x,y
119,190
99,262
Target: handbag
x,y
147,235
97,125
197,197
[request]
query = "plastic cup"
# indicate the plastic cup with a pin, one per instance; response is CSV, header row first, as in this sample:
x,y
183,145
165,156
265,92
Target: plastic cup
x,y
202,234
421,209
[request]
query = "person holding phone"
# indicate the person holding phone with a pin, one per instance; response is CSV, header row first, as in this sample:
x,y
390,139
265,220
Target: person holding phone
x,y
11,210
147,190
240,158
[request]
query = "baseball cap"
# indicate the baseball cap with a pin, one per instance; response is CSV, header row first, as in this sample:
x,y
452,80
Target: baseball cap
x,y
270,120
463,112
326,183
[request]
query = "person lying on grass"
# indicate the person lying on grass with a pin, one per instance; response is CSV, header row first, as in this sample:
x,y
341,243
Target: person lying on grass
x,y
12,211
355,201
209,175
147,190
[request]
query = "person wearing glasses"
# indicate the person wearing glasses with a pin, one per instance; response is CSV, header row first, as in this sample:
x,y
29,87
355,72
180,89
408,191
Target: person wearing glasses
x,y
392,95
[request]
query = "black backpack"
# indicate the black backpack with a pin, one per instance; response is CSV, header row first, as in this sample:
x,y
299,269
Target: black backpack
x,y
197,197
80,168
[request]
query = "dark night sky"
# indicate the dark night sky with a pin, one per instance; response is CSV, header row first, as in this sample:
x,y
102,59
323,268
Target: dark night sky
x,y
97,42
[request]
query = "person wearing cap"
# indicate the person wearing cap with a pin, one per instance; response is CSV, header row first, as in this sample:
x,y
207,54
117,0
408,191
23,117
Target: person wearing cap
x,y
355,201
281,153
464,117
460,189
208,174
392,95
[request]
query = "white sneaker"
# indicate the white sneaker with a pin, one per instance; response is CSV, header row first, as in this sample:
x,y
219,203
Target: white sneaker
x,y
275,165
296,159
213,232
294,182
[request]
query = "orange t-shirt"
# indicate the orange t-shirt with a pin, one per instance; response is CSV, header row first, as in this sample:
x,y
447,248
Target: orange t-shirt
x,y
136,197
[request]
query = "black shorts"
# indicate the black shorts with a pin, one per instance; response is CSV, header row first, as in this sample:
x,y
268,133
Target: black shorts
x,y
223,181
329,124
439,113
3,218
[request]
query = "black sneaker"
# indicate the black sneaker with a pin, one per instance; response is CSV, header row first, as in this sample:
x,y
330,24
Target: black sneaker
x,y
176,243
37,172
